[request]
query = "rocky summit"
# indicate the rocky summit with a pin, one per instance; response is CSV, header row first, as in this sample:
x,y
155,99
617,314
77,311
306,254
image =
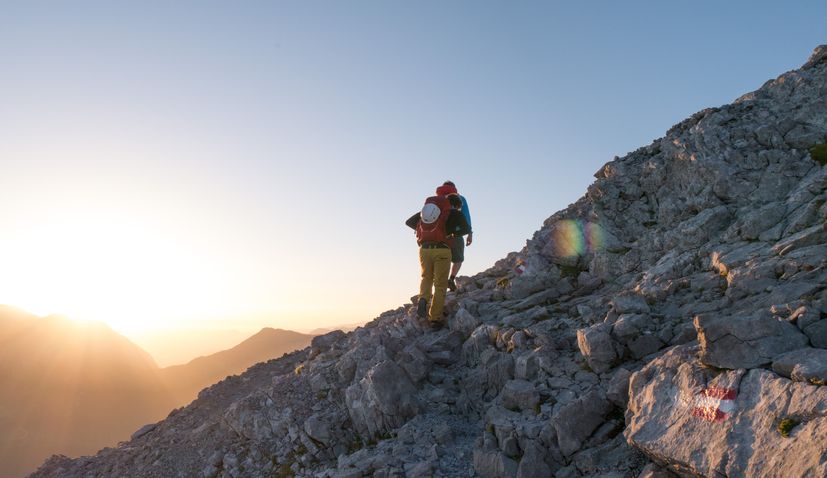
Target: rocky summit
x,y
673,321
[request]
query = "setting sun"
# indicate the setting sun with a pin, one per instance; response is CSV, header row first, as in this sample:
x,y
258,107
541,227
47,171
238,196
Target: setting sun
x,y
98,265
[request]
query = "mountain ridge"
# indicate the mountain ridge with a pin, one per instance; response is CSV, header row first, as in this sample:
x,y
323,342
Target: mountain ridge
x,y
72,387
65,384
189,378
672,321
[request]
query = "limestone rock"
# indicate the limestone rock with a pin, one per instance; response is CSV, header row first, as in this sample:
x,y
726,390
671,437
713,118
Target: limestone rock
x,y
527,284
498,368
817,332
654,471
698,229
494,464
755,223
659,280
803,365
644,345
630,304
143,431
577,420
597,346
745,342
322,343
443,348
707,423
520,395
415,363
527,366
318,429
383,400
618,391
813,235
463,322
482,338
818,56
532,463
629,327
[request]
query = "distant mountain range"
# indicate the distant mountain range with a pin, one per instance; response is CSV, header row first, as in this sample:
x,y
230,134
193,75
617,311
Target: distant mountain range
x,y
343,328
185,381
71,388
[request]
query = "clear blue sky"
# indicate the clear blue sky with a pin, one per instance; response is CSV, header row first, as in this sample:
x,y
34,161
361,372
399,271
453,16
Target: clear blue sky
x,y
179,160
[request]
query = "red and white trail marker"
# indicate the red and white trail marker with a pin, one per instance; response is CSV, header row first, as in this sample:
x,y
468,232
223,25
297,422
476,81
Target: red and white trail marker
x,y
714,404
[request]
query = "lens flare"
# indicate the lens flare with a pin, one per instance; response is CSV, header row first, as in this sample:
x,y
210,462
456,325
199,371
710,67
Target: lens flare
x,y
593,234
568,239
572,237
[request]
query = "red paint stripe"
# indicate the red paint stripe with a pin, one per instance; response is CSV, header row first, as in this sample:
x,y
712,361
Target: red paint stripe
x,y
719,393
709,414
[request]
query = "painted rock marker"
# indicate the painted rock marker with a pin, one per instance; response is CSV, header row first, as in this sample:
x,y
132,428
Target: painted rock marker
x,y
714,404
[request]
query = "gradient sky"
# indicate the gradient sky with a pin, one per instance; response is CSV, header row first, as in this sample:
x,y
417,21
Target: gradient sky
x,y
242,164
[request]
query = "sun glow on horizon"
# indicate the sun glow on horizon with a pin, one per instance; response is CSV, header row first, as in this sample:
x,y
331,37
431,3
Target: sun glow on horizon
x,y
110,268
140,272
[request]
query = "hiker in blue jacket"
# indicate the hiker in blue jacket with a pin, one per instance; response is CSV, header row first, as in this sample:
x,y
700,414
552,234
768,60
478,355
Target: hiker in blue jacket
x,y
458,244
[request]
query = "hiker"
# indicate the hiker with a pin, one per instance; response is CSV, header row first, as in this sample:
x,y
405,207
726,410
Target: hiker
x,y
457,245
439,221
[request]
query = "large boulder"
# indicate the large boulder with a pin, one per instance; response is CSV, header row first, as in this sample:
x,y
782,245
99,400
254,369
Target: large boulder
x,y
745,342
618,390
576,420
532,463
659,281
383,400
498,369
817,332
323,343
803,365
442,348
597,346
705,422
630,304
481,339
463,322
326,428
494,464
519,395
527,365
415,363
698,229
812,235
758,221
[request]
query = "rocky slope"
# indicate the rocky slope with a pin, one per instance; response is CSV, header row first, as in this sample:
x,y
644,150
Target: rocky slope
x,y
671,321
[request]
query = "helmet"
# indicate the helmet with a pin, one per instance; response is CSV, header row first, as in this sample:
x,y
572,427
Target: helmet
x,y
430,213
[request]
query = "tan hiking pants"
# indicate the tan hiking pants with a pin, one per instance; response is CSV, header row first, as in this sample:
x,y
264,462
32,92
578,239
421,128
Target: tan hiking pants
x,y
436,265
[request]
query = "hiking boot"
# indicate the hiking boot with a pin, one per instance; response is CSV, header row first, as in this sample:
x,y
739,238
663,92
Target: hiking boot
x,y
436,324
452,285
422,309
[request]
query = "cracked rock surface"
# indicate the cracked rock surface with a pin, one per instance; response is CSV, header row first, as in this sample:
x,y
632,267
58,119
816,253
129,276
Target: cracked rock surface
x,y
666,419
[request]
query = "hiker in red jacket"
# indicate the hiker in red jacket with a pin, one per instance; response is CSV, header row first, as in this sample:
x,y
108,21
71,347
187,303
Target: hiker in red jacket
x,y
436,225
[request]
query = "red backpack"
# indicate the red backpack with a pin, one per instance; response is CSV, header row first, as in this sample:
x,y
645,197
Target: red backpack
x,y
432,220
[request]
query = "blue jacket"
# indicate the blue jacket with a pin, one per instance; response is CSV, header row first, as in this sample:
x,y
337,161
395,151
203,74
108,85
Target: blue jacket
x,y
465,211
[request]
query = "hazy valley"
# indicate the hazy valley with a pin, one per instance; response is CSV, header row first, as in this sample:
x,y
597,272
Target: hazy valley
x,y
72,388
